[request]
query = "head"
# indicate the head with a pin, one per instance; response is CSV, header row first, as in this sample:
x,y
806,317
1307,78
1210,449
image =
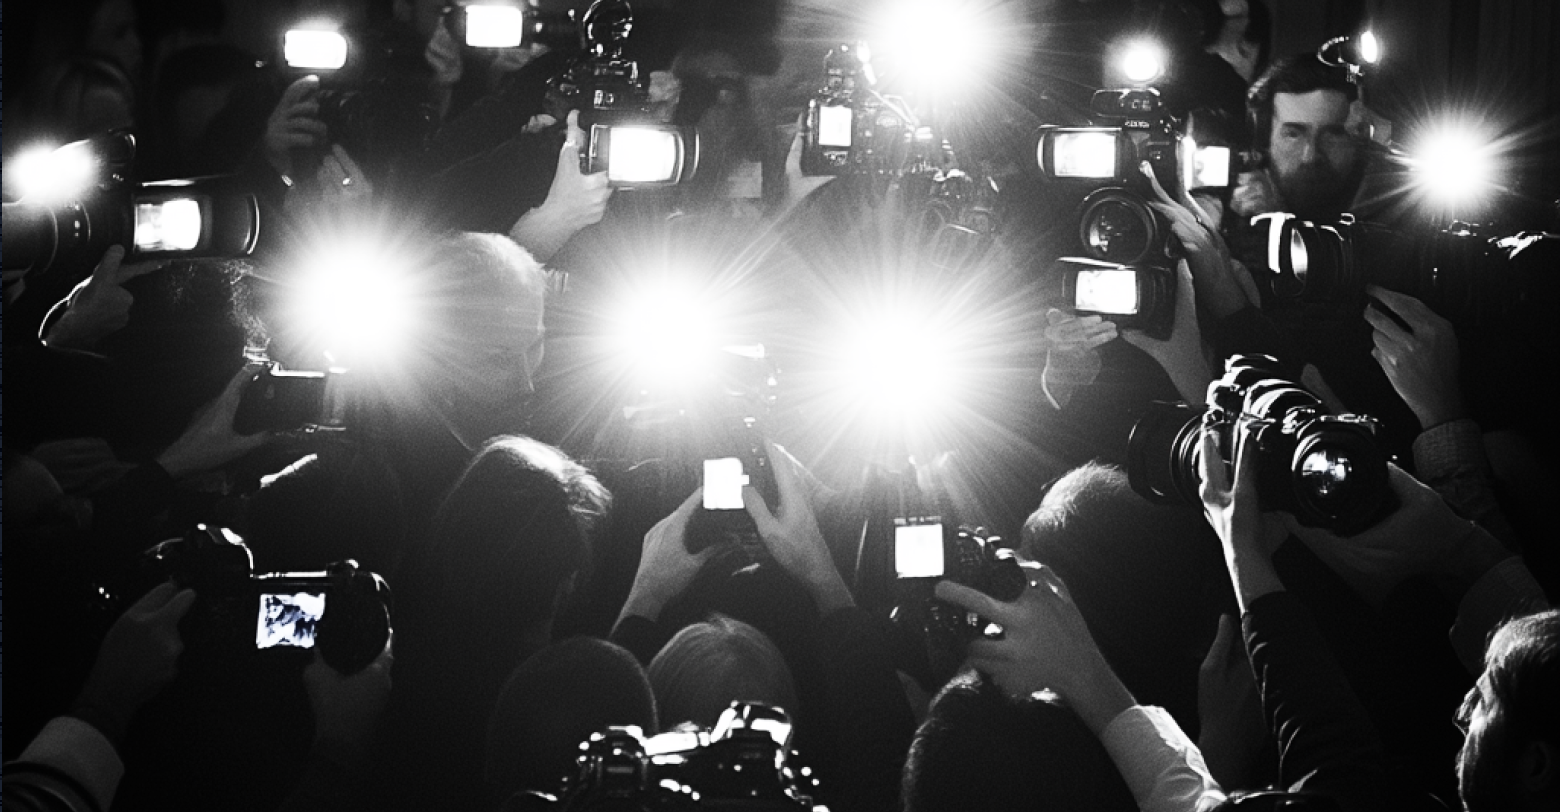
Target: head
x,y
1300,109
484,347
555,700
1242,35
708,665
979,750
1510,759
1106,541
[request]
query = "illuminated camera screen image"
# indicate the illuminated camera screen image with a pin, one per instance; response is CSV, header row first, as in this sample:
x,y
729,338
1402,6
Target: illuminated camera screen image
x,y
918,550
1113,291
642,154
314,50
494,26
1084,154
723,482
168,225
834,126
288,619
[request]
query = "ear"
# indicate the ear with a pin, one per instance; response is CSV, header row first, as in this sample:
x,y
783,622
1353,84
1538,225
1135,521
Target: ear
x,y
1538,768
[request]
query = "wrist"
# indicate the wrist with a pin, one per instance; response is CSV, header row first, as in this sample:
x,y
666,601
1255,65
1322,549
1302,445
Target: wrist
x,y
1469,559
644,603
1100,700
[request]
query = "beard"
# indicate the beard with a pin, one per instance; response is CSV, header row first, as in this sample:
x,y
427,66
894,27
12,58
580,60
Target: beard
x,y
1316,191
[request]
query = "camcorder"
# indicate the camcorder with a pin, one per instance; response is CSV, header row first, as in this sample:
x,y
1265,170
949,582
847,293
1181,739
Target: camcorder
x,y
344,611
850,128
1466,277
515,24
625,138
1325,469
957,212
56,239
745,762
373,96
275,399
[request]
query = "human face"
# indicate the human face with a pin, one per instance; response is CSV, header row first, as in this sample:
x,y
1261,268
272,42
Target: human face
x,y
1315,160
112,33
1482,779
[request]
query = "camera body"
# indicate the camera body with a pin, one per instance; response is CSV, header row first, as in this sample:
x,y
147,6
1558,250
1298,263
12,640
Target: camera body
x,y
927,551
744,762
519,24
275,399
1327,470
737,457
345,610
1467,277
849,129
1138,297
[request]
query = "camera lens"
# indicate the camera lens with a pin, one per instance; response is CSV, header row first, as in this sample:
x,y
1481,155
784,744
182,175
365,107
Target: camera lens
x,y
1162,454
1325,472
1116,226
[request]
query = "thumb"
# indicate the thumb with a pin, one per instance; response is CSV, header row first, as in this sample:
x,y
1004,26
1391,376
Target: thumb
x,y
298,90
573,140
108,267
765,521
171,612
1141,340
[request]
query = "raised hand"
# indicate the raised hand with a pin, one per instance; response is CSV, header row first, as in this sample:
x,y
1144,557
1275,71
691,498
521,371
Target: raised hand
x,y
138,657
665,565
99,306
1181,355
1422,361
294,124
210,441
575,200
791,534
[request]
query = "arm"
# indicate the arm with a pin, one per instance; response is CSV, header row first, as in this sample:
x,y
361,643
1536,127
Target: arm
x,y
346,711
1181,355
1072,357
1046,645
665,570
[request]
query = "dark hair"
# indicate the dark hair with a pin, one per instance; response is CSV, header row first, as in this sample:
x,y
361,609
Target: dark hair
x,y
977,750
1259,29
555,700
1107,542
1522,666
1302,73
706,666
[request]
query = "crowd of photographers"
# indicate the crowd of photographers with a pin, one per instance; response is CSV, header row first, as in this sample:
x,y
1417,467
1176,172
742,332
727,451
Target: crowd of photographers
x,y
237,585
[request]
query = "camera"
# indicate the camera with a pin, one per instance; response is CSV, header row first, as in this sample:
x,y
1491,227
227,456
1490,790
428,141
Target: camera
x,y
343,611
372,98
850,128
745,762
275,399
624,136
1466,277
104,206
1325,469
515,24
927,551
1133,296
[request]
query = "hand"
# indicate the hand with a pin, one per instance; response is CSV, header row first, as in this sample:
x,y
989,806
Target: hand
x,y
665,565
1421,362
1255,193
1422,537
139,656
1045,644
574,201
1234,737
798,186
792,535
510,60
443,55
210,441
341,183
81,464
1181,355
100,305
294,124
1248,537
1072,356
1217,276
347,708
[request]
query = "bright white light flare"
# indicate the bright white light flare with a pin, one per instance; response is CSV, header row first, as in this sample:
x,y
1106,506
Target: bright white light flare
x,y
47,175
1143,61
1454,165
313,49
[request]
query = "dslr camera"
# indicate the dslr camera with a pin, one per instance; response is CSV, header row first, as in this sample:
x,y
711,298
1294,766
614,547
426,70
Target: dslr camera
x,y
97,203
745,762
1465,276
927,551
344,611
275,399
1325,469
625,138
510,24
850,128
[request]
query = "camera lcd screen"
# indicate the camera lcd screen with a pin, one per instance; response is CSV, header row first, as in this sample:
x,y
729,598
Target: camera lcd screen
x,y
1112,291
490,25
1084,154
918,550
1210,168
834,126
314,50
288,619
643,155
723,481
167,225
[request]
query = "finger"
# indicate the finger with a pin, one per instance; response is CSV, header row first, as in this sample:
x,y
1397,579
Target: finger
x,y
768,526
307,126
1142,340
1385,326
1245,460
1100,339
303,111
975,601
1186,296
685,510
347,164
135,269
299,90
107,268
1057,317
176,607
788,477
1405,306
1049,578
1210,467
1153,182
331,171
157,598
301,140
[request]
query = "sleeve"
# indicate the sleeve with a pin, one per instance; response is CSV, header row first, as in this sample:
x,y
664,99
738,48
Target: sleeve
x,y
332,781
1163,768
1507,590
1326,740
70,765
865,704
642,636
1450,458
